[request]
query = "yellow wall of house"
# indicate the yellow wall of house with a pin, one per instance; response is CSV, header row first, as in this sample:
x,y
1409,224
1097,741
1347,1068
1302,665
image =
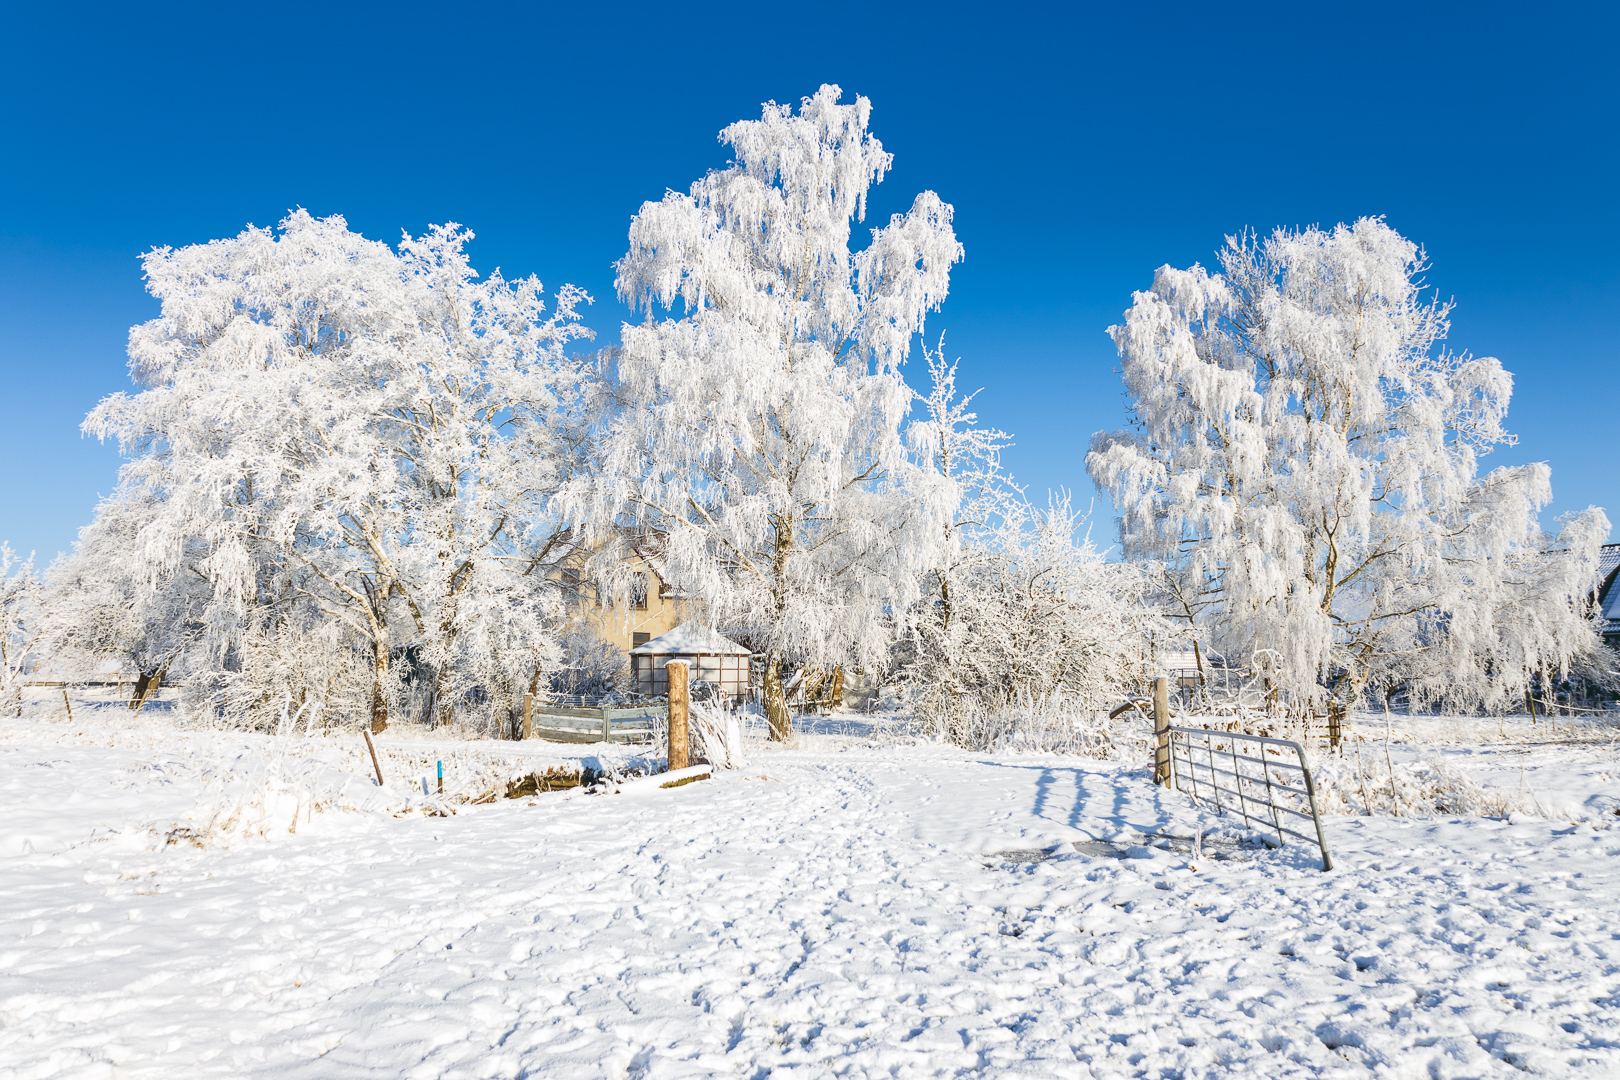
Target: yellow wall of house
x,y
620,624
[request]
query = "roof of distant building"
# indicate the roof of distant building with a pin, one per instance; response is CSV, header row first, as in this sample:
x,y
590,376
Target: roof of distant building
x,y
690,639
1608,595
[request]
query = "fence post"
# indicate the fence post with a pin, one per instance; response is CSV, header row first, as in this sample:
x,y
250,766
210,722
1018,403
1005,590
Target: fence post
x,y
528,716
678,703
1161,730
375,764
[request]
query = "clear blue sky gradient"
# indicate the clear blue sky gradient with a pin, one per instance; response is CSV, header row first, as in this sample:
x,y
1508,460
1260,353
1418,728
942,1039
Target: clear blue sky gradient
x,y
1082,148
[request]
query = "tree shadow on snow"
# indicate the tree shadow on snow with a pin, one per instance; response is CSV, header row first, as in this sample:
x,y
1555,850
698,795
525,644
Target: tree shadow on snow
x,y
1068,795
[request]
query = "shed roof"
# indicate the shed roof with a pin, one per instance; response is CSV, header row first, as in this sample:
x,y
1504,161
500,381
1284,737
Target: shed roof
x,y
689,639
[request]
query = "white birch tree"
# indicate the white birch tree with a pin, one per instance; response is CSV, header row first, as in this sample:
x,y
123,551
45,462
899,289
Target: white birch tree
x,y
757,424
326,421
1303,463
21,622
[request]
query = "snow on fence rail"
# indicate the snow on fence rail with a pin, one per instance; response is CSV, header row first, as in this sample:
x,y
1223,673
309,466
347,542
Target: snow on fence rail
x,y
1236,771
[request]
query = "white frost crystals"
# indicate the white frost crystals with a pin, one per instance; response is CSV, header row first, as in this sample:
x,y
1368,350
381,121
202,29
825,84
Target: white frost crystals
x,y
758,425
21,614
1024,629
1302,464
336,439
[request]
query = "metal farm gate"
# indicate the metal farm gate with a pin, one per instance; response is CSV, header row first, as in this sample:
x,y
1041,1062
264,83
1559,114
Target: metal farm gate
x,y
1263,779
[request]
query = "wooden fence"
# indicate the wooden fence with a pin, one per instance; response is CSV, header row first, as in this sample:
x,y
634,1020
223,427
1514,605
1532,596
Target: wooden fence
x,y
559,723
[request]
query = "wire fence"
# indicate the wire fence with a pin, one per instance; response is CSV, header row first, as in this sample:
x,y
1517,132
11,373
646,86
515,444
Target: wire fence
x,y
1249,775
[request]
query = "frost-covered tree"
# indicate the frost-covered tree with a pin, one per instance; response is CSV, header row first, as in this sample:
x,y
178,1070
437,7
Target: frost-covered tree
x,y
104,601
21,621
1019,609
329,429
1303,464
757,425
965,462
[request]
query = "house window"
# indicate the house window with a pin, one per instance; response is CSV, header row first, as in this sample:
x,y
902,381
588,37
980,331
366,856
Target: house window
x,y
638,592
639,639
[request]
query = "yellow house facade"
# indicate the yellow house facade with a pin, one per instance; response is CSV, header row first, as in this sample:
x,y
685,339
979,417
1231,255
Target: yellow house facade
x,y
649,608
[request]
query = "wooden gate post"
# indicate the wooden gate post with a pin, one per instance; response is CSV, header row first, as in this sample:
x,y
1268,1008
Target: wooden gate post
x,y
1161,730
528,716
675,672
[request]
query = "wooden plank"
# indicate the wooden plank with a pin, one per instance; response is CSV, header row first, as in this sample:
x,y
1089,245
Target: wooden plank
x,y
593,735
1161,730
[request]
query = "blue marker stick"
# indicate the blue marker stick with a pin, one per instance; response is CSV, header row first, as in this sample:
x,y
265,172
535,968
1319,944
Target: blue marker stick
x,y
441,778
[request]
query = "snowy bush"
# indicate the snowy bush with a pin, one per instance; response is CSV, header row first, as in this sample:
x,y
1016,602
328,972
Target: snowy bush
x,y
590,666
1020,619
716,735
1056,724
21,622
280,663
1364,782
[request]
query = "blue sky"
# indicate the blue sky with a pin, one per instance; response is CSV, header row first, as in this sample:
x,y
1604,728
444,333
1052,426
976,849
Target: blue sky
x,y
1081,146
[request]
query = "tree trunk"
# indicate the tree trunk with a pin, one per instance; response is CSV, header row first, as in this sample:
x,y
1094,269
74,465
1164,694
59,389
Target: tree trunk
x,y
776,710
148,682
438,701
379,681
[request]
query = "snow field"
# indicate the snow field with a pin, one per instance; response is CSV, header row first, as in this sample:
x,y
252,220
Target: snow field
x,y
823,912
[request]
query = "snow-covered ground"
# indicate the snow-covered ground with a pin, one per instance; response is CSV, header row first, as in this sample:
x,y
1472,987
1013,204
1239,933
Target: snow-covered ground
x,y
837,909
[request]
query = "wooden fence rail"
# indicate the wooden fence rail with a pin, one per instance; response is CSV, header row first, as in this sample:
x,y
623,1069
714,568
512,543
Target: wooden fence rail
x,y
558,723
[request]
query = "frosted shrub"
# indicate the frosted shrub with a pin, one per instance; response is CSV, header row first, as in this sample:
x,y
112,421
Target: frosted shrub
x,y
1059,725
281,664
1366,784
1019,615
716,735
21,618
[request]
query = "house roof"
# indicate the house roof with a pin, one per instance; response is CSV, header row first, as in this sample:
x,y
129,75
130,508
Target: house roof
x,y
1608,561
690,639
1608,595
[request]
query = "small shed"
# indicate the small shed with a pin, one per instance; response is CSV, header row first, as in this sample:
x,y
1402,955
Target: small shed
x,y
712,657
